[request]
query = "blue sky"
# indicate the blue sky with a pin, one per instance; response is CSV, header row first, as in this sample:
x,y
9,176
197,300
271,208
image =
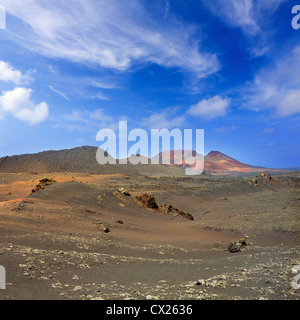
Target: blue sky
x,y
71,68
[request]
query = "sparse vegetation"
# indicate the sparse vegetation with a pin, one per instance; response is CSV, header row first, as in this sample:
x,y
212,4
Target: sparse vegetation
x,y
91,211
100,199
28,201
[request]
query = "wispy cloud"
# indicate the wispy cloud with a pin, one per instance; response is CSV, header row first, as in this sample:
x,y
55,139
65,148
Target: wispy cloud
x,y
101,83
109,34
266,131
252,17
167,8
59,93
249,15
166,119
100,96
84,120
225,130
289,104
210,108
237,13
277,86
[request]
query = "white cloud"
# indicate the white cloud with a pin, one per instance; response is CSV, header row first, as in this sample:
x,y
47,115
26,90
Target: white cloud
x,y
9,74
18,103
210,108
110,34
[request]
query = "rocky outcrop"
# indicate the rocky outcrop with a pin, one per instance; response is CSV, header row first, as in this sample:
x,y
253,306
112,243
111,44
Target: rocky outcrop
x,y
236,245
124,191
42,185
169,209
147,201
263,177
104,227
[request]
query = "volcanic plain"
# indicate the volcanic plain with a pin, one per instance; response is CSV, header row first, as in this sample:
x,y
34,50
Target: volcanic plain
x,y
147,233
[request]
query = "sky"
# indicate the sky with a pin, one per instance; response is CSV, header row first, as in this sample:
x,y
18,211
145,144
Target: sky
x,y
230,67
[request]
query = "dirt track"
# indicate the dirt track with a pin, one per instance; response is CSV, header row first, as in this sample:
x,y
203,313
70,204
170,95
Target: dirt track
x,y
53,247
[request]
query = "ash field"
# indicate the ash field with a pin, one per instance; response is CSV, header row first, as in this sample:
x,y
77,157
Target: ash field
x,y
72,229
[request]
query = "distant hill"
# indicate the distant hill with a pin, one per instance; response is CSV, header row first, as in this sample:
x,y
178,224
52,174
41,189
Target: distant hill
x,y
71,160
174,157
214,162
83,159
217,161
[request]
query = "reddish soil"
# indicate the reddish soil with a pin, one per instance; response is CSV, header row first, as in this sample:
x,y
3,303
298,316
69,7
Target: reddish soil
x,y
53,244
